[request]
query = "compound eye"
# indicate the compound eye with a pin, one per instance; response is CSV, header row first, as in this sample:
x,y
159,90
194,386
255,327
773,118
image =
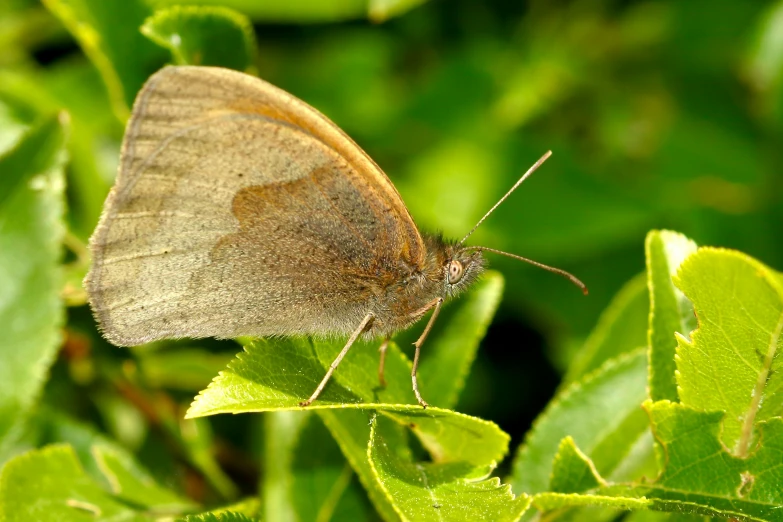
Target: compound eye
x,y
455,271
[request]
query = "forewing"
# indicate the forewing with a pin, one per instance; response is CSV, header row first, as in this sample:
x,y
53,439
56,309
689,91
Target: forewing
x,y
240,210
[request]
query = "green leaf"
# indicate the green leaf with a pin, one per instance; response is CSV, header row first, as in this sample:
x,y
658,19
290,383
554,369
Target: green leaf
x,y
447,491
277,375
351,431
309,11
196,437
108,32
700,471
50,482
31,231
12,128
203,36
130,483
78,89
764,63
658,516
324,485
351,428
37,152
109,464
188,369
572,470
700,476
621,328
601,412
670,310
450,351
225,516
380,10
546,502
766,53
281,430
444,433
731,363
249,507
445,436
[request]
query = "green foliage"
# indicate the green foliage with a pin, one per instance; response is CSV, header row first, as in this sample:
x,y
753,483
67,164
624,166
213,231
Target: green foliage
x,y
189,369
203,36
572,471
110,37
602,414
318,483
351,431
660,113
723,371
132,484
309,11
455,490
51,483
731,363
31,230
275,376
228,516
700,476
670,310
621,328
700,472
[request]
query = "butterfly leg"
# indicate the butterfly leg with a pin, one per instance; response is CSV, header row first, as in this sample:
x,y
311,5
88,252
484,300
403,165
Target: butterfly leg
x,y
435,303
355,335
382,349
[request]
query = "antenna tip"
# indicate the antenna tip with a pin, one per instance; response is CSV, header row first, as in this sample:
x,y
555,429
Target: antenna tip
x,y
577,282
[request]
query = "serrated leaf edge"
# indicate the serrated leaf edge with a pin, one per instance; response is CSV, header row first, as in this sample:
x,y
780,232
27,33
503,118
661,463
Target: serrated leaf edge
x,y
506,488
662,236
767,275
566,393
568,440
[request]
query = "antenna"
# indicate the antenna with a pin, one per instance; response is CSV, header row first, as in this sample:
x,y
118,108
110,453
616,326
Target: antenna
x,y
548,268
518,183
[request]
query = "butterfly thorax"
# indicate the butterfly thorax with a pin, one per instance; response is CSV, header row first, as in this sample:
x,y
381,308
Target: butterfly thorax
x,y
411,295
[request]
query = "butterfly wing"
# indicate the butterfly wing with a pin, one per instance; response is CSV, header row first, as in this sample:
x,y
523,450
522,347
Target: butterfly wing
x,y
240,210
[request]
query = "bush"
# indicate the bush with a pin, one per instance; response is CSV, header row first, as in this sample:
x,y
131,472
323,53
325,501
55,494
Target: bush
x,y
661,115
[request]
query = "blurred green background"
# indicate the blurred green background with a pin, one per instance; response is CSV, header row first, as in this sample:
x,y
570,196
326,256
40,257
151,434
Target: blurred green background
x,y
660,114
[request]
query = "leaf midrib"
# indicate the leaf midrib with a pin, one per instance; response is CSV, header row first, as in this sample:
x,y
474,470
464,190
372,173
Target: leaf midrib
x,y
427,487
743,444
704,494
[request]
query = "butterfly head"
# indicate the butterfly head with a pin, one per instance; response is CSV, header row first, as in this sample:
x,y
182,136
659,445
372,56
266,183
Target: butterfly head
x,y
462,267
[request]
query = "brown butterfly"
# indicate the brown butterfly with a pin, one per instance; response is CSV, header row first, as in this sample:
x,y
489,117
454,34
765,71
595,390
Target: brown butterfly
x,y
239,210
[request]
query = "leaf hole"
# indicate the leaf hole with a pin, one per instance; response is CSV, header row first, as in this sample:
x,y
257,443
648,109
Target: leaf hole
x,y
746,484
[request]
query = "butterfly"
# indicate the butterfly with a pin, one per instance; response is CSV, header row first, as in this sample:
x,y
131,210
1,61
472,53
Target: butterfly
x,y
239,210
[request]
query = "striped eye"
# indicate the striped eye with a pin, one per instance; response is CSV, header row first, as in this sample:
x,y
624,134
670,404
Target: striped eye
x,y
455,271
